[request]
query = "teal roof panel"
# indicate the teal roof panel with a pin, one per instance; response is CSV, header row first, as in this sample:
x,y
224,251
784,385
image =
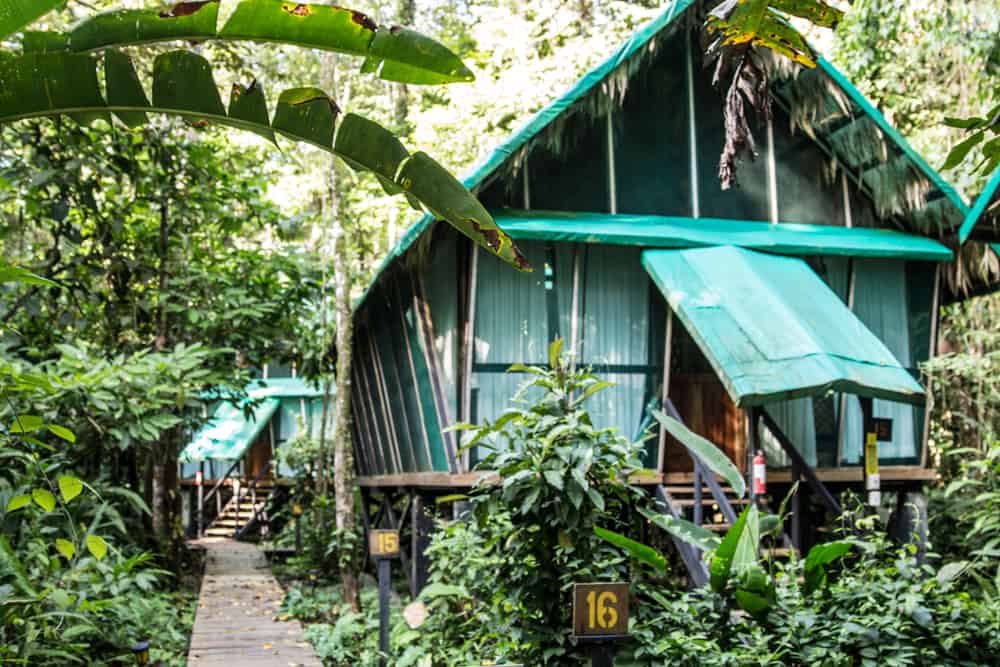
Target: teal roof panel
x,y
979,207
229,432
283,388
653,231
772,329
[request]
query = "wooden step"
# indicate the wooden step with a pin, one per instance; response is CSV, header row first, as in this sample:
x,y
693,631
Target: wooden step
x,y
219,532
680,490
706,501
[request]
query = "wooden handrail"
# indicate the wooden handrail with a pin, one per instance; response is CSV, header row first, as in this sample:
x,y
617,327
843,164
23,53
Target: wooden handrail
x,y
217,492
804,468
701,470
251,489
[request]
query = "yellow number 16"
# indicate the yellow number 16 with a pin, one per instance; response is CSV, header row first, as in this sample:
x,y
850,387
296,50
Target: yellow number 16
x,y
602,611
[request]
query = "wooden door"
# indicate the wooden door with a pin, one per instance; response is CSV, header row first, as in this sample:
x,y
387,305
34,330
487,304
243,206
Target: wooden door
x,y
707,410
259,454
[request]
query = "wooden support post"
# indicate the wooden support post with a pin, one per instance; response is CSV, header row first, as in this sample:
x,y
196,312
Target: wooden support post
x,y
699,510
201,498
384,586
869,444
602,654
397,525
421,527
753,444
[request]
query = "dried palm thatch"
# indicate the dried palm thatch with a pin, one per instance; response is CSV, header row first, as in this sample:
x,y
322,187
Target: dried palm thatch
x,y
976,270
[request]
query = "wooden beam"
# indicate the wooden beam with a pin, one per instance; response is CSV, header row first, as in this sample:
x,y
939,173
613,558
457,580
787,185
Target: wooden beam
x,y
661,455
422,308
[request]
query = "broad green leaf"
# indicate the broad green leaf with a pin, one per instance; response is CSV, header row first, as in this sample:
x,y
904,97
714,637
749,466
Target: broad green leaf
x,y
39,41
684,530
306,114
713,457
554,478
18,14
816,12
443,196
555,352
188,21
27,424
958,153
324,27
593,389
66,548
44,499
438,589
124,88
69,487
825,553
14,274
18,502
61,432
637,550
248,104
722,561
745,558
51,84
965,123
752,603
404,55
97,547
952,571
394,54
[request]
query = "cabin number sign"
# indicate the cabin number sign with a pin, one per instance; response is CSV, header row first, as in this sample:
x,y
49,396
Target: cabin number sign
x,y
600,610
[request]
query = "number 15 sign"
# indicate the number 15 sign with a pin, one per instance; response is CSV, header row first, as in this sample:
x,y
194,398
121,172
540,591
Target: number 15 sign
x,y
600,610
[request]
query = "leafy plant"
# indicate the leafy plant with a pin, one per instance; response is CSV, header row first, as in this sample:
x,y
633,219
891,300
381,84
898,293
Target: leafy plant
x,y
558,477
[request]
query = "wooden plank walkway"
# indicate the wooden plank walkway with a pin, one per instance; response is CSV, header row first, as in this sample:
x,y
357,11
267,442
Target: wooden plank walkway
x,y
236,625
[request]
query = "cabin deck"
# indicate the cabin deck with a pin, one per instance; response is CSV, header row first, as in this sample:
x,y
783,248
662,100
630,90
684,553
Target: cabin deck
x,y
854,475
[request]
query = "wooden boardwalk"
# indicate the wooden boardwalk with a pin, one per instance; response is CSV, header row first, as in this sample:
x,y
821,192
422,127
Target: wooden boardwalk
x,y
236,623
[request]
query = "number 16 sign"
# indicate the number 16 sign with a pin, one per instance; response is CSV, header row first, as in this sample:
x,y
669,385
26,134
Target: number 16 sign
x,y
600,610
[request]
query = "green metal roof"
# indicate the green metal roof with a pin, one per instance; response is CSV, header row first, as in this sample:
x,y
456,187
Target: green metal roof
x,y
979,207
488,165
283,388
229,433
772,329
654,231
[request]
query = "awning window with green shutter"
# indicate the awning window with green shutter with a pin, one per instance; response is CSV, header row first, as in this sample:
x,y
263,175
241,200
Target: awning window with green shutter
x,y
772,329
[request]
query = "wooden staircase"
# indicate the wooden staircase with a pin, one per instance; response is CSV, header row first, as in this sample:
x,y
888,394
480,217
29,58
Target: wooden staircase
x,y
242,511
685,501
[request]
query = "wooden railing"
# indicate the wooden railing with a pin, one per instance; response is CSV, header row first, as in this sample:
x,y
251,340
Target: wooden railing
x,y
250,490
215,492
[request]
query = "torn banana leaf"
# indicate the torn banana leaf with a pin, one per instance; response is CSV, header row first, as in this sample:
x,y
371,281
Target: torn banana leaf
x,y
62,83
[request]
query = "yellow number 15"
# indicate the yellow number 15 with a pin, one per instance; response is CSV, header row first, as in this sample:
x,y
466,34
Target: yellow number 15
x,y
602,612
388,542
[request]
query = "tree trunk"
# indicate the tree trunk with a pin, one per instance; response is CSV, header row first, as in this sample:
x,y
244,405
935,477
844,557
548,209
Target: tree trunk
x,y
343,460
158,503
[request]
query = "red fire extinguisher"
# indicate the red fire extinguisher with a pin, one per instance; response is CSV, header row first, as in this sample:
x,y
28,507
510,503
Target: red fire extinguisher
x,y
759,474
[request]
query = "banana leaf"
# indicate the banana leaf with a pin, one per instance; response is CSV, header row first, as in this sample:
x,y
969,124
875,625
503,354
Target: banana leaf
x,y
50,84
394,54
18,14
637,550
713,457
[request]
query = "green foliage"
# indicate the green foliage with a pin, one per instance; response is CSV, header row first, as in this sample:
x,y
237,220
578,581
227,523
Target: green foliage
x,y
714,458
559,477
16,14
884,609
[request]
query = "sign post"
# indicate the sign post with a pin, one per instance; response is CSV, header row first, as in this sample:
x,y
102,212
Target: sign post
x,y
600,617
383,546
